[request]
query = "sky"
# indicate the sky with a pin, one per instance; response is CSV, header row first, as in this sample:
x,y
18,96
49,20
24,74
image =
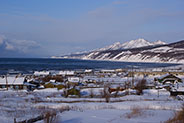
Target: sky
x,y
44,28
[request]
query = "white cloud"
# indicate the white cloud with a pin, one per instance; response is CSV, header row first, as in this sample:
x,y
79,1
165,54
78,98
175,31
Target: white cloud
x,y
23,46
9,46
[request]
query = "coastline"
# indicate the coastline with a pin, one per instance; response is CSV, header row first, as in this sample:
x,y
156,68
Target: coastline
x,y
111,60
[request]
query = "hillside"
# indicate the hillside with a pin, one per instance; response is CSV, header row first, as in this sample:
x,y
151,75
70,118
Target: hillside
x,y
138,50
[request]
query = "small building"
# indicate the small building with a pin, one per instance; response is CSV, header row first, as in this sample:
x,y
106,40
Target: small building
x,y
14,82
108,71
73,81
66,73
88,70
179,91
41,73
168,79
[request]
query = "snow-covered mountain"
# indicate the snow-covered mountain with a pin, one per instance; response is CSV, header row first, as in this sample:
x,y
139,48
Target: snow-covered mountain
x,y
132,44
136,43
158,42
114,46
138,50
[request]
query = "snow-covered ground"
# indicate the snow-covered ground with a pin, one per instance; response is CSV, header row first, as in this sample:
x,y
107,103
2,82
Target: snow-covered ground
x,y
24,105
114,116
153,106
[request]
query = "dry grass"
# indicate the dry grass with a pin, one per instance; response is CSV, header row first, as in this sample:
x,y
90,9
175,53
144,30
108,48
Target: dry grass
x,y
45,109
50,117
178,117
135,112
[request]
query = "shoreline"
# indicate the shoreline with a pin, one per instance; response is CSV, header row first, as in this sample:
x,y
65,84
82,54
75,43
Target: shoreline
x,y
110,60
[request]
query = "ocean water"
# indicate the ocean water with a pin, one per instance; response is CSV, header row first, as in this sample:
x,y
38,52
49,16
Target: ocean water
x,y
29,65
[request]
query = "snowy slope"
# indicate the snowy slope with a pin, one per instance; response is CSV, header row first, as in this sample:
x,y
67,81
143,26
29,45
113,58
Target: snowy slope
x,y
138,50
136,43
132,44
158,42
114,46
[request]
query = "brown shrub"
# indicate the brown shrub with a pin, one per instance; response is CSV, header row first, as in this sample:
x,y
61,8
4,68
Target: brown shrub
x,y
50,117
46,78
49,85
178,117
135,112
49,77
59,87
140,86
65,93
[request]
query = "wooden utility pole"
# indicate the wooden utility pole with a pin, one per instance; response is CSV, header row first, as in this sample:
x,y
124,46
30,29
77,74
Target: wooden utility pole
x,y
158,92
6,83
132,77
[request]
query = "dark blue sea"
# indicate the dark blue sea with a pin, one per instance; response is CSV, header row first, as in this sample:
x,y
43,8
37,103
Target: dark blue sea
x,y
28,65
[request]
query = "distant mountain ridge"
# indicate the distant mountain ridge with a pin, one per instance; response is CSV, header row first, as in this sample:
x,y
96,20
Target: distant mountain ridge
x,y
132,44
139,50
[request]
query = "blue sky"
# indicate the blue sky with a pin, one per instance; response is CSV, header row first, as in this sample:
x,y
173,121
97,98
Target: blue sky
x,y
42,28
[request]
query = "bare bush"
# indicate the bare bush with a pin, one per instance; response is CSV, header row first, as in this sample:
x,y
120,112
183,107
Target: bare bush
x,y
50,117
91,93
117,91
127,85
106,93
178,116
140,86
65,93
135,112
